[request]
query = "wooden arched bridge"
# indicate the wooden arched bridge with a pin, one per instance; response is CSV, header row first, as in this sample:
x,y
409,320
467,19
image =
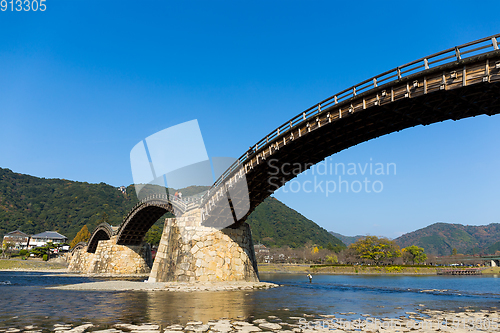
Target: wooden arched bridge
x,y
456,83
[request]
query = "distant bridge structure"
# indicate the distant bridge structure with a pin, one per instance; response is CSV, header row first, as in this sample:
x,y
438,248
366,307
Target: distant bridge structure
x,y
456,83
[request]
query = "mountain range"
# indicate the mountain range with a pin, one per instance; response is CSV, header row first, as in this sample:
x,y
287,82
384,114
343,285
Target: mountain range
x,y
32,205
347,240
441,238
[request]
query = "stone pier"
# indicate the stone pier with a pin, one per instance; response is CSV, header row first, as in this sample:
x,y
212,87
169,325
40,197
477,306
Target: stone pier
x,y
110,258
189,252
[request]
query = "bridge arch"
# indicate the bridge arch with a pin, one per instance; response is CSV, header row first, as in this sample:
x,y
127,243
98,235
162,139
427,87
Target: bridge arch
x,y
141,218
103,231
429,90
433,89
146,212
78,247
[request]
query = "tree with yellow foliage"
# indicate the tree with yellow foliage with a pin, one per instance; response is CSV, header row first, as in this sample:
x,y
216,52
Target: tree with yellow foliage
x,y
82,236
376,249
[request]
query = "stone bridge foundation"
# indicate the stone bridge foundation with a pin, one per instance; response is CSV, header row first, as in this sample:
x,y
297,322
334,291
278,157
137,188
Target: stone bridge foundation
x,y
189,252
110,258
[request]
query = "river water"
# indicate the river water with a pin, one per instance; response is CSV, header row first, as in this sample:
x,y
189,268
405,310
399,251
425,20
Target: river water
x,y
25,301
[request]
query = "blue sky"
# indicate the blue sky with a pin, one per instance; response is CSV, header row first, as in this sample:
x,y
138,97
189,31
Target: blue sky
x,y
84,81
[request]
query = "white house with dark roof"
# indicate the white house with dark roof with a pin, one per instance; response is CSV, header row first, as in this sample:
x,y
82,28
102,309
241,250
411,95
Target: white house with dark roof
x,y
45,237
17,238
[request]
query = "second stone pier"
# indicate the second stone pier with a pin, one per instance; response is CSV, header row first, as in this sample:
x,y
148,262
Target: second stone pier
x,y
189,252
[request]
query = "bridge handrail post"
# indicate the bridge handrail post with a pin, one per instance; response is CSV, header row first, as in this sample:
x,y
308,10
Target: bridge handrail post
x,y
495,43
457,53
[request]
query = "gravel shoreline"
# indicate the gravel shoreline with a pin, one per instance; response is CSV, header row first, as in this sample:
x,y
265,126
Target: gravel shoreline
x,y
424,320
167,286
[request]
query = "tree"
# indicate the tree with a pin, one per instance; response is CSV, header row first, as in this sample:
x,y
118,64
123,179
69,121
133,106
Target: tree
x,y
454,252
45,250
415,254
82,236
7,248
332,259
104,218
376,249
335,248
153,236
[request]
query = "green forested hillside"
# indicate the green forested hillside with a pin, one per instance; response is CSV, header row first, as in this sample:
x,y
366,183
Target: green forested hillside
x,y
275,224
34,205
441,238
347,240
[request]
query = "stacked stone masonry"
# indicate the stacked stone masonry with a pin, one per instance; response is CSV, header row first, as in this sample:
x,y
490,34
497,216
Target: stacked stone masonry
x,y
189,252
110,258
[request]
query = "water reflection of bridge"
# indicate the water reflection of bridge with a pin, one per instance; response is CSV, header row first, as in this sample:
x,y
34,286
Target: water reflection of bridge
x,y
166,307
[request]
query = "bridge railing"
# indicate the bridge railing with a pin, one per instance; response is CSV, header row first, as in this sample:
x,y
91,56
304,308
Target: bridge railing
x,y
450,55
186,203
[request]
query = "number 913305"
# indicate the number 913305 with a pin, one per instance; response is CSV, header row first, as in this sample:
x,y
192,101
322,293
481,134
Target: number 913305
x,y
23,5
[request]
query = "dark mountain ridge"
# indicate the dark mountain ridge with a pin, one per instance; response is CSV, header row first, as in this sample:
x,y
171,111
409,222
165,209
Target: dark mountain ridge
x,y
34,205
441,238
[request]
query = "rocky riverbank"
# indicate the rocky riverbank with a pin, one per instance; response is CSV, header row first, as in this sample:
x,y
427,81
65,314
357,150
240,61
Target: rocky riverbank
x,y
347,270
33,265
422,321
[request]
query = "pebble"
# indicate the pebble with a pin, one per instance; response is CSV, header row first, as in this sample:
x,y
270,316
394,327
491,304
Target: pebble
x,y
174,328
270,326
197,327
140,328
241,323
251,328
409,323
80,329
194,323
221,326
